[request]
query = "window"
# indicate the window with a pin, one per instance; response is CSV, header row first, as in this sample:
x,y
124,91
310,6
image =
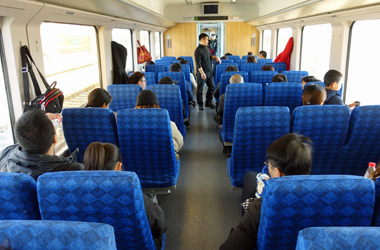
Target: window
x,y
157,44
70,54
145,39
362,69
6,135
283,37
316,46
267,37
124,37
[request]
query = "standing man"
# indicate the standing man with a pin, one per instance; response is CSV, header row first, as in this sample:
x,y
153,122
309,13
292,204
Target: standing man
x,y
203,60
214,43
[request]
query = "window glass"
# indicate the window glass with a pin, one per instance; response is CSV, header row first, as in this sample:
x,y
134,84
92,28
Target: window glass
x,y
144,39
70,55
124,37
267,37
157,44
362,84
283,37
316,46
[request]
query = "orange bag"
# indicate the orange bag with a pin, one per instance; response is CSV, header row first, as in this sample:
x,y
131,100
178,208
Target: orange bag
x,y
143,54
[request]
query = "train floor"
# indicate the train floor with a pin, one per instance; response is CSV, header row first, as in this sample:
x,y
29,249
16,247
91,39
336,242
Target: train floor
x,y
203,208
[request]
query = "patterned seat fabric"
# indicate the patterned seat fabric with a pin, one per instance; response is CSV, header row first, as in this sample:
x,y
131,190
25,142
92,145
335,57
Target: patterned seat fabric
x,y
238,95
262,76
234,58
295,76
362,143
191,62
292,203
226,61
168,58
18,197
83,126
279,66
283,94
246,56
58,235
151,78
264,61
255,128
185,68
146,146
166,63
180,77
112,197
225,79
124,96
249,67
157,69
376,211
220,68
169,98
327,127
349,238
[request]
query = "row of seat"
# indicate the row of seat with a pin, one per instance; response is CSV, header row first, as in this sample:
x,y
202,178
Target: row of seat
x,y
144,137
343,143
111,197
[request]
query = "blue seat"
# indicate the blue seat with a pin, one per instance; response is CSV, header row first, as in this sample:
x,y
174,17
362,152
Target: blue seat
x,y
234,58
58,235
18,197
363,143
292,203
191,62
255,128
163,62
151,78
226,61
111,197
279,66
157,69
262,76
376,210
238,95
124,96
327,127
295,76
249,67
185,68
265,61
225,79
180,77
83,126
219,69
169,98
146,146
283,94
349,238
168,58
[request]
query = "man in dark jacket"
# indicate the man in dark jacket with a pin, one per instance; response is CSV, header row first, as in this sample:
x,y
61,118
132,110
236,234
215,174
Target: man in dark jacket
x,y
34,155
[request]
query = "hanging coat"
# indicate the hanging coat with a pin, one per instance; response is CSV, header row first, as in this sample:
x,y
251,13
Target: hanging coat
x,y
284,56
119,61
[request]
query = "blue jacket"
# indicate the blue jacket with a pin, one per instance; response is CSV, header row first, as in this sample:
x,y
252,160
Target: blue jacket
x,y
332,98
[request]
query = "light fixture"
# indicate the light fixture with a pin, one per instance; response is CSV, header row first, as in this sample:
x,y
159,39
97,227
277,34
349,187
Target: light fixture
x,y
233,1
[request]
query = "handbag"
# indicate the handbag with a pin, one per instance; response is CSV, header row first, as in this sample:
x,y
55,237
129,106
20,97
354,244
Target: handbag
x,y
52,100
143,54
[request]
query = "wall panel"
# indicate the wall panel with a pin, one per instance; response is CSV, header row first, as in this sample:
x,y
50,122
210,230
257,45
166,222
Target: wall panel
x,y
183,40
238,38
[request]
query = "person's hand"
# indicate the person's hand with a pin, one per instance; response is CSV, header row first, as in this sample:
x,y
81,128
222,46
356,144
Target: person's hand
x,y
203,76
51,116
218,60
352,105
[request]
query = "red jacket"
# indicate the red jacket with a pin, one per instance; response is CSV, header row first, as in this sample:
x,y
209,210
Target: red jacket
x,y
284,56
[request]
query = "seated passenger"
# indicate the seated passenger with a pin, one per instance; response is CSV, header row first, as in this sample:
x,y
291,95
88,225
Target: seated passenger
x,y
106,156
34,153
220,109
314,94
250,53
176,67
332,86
224,58
138,78
262,54
267,67
280,78
307,79
99,98
251,59
148,99
230,68
289,155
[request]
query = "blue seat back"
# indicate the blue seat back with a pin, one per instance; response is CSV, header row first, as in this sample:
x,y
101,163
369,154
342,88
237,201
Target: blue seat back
x,y
283,94
169,98
185,68
18,197
156,68
58,235
238,95
111,197
151,78
180,77
191,62
279,66
295,76
220,68
265,61
83,126
292,203
327,127
225,79
146,146
168,58
262,76
226,61
234,58
249,67
376,210
246,56
163,62
339,238
363,143
255,128
124,96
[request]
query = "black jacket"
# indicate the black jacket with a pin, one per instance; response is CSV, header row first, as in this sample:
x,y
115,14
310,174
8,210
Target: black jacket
x,y
203,58
119,60
14,159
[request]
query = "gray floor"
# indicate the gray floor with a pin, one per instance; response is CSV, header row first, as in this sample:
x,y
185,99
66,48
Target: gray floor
x,y
203,208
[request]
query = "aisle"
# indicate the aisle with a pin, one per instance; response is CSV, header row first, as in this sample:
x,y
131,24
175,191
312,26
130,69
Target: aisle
x,y
203,208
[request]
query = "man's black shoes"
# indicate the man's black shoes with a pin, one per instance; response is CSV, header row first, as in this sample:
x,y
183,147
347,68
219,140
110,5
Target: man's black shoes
x,y
201,107
210,105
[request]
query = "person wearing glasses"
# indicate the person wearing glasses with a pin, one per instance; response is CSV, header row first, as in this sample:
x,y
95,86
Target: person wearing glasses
x,y
138,78
289,155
